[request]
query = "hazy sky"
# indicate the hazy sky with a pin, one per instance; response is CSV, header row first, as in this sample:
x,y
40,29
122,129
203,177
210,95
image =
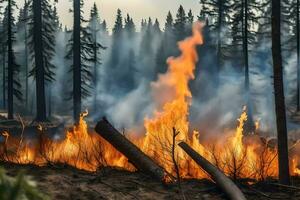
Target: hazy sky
x,y
138,9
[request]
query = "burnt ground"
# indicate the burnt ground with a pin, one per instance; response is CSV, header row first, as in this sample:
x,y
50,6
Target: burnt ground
x,y
63,182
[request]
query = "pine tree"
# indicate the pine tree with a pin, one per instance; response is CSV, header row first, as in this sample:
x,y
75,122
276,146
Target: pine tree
x,y
298,52
13,84
56,27
3,41
104,27
190,17
180,24
146,53
41,48
243,31
190,22
283,158
127,80
217,13
94,28
156,28
83,50
167,45
143,26
129,26
117,39
23,34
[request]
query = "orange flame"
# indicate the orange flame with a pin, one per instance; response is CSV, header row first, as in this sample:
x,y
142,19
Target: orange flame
x,y
237,155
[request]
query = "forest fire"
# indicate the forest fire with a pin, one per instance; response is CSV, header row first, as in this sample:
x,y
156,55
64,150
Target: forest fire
x,y
237,153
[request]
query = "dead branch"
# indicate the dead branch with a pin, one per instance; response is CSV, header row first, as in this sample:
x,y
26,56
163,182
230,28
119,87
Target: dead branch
x,y
138,158
230,189
175,134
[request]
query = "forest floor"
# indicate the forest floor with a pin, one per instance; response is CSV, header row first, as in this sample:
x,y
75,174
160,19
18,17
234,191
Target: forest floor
x,y
63,183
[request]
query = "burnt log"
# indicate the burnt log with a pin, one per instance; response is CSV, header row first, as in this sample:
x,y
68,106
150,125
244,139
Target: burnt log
x,y
227,185
135,156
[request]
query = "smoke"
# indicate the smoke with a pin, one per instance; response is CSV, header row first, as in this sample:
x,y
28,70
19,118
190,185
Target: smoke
x,y
124,93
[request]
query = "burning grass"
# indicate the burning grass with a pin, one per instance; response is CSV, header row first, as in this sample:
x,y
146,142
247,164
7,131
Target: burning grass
x,y
236,153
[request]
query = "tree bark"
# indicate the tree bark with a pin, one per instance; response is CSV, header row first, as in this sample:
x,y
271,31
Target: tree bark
x,y
4,77
39,63
138,158
249,126
283,158
219,44
95,76
76,61
227,185
26,55
10,66
298,56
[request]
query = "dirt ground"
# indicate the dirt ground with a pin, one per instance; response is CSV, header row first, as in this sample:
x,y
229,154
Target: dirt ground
x,y
63,183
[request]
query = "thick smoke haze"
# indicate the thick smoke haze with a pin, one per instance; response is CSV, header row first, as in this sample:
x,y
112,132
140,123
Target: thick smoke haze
x,y
124,92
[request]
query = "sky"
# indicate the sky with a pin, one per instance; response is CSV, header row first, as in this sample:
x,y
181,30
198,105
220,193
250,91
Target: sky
x,y
138,9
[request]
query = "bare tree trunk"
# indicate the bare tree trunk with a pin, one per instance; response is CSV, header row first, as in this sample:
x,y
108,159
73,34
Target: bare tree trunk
x,y
76,61
10,66
283,158
138,158
4,77
298,56
245,44
49,100
219,43
95,76
39,64
231,190
249,126
26,55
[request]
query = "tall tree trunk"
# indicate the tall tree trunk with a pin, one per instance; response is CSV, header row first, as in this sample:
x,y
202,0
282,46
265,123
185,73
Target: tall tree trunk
x,y
76,61
219,44
298,56
10,67
245,46
39,63
250,123
283,158
4,77
26,56
95,77
49,100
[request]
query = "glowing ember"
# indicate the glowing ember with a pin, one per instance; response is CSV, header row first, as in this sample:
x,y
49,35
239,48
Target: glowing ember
x,y
239,156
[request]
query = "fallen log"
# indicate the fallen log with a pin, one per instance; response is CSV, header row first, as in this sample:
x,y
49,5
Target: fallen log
x,y
135,156
227,185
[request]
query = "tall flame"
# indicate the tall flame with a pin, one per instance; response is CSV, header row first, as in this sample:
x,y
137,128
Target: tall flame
x,y
239,156
173,85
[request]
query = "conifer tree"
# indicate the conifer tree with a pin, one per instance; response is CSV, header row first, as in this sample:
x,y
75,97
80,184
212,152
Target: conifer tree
x,y
129,27
117,36
83,50
3,42
13,84
93,29
23,34
283,158
180,24
167,46
217,13
42,34
104,28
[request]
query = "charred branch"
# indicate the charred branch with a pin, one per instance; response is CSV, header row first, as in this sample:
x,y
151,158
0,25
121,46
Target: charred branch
x,y
227,185
138,158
